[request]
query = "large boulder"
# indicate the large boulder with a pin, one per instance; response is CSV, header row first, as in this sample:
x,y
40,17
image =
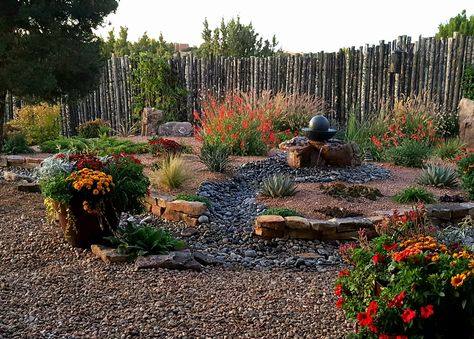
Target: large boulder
x,y
466,121
176,129
151,121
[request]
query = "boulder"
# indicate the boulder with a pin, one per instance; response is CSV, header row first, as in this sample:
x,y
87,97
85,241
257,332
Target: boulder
x,y
323,153
179,260
151,121
466,121
176,129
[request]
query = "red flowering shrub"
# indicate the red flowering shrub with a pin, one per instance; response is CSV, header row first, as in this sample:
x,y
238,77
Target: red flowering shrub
x,y
408,287
166,146
244,128
415,126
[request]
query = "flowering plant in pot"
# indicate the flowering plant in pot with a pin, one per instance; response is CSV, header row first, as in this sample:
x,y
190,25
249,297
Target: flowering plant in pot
x,y
87,193
400,285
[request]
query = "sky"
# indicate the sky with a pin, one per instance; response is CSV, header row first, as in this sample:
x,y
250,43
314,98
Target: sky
x,y
301,26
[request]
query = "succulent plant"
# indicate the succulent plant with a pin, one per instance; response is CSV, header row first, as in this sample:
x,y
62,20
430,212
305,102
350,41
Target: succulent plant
x,y
438,176
278,185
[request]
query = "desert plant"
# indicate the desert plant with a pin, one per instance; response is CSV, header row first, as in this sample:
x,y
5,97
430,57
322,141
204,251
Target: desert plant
x,y
340,190
410,153
135,240
193,197
172,172
449,149
38,122
278,185
93,129
282,211
215,157
414,194
16,143
438,176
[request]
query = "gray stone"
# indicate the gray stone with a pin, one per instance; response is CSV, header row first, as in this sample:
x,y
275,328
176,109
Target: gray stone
x,y
351,224
176,129
206,259
203,219
180,260
146,220
189,231
250,253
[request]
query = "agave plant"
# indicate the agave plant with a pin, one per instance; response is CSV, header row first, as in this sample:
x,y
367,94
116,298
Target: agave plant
x,y
438,176
278,185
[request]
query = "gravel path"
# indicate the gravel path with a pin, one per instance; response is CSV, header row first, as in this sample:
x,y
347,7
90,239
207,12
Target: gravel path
x,y
49,290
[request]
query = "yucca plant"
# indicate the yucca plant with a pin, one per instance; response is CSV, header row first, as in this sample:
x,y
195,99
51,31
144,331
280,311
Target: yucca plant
x,y
172,172
278,185
438,176
215,157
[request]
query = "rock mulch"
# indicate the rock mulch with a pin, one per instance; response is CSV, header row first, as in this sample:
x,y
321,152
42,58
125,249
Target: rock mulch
x,y
49,290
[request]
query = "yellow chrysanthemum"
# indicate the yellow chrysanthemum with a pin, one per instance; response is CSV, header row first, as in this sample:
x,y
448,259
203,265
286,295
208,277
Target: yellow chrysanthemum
x,y
458,280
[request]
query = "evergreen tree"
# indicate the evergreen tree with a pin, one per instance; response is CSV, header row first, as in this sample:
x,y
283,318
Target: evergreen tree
x,y
48,48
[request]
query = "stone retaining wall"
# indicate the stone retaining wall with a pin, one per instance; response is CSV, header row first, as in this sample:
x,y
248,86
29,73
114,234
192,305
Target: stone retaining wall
x,y
165,207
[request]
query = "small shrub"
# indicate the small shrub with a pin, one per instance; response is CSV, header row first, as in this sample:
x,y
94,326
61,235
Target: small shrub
x,y
438,176
164,146
215,157
278,185
193,197
339,190
414,194
172,172
447,124
466,171
93,129
338,212
282,211
136,240
409,153
16,143
38,122
101,146
450,149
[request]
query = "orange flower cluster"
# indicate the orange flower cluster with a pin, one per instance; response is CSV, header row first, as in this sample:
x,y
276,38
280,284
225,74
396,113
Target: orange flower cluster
x,y
96,182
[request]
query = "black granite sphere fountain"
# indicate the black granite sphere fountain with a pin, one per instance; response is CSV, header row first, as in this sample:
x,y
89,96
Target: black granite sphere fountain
x,y
318,129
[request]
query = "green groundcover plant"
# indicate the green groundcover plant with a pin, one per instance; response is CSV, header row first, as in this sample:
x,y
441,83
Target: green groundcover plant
x,y
407,284
466,170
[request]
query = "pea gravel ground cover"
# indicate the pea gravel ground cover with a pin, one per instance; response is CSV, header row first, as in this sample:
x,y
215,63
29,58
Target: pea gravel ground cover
x,y
49,290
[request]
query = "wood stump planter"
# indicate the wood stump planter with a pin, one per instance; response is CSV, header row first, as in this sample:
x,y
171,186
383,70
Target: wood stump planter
x,y
82,229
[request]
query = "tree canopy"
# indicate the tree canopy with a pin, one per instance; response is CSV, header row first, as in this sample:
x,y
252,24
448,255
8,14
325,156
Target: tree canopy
x,y
48,48
460,23
234,39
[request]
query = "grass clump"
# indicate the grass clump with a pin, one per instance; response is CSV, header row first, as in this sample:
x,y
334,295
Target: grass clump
x,y
415,194
193,197
438,176
215,157
278,185
171,173
410,153
282,211
449,150
16,143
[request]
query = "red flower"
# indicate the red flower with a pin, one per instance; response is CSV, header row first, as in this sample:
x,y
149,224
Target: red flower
x,y
373,328
426,311
401,337
397,301
338,290
372,309
384,336
344,273
408,315
377,258
389,248
339,303
364,319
